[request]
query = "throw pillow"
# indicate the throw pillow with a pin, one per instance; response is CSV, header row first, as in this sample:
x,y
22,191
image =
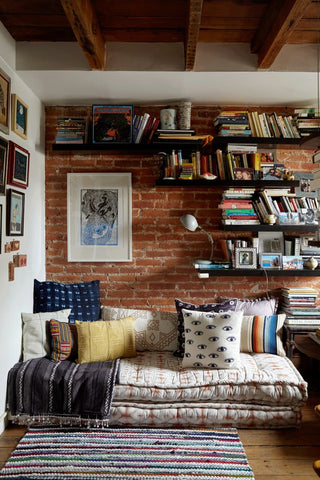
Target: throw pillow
x,y
154,331
258,306
82,298
262,334
229,305
212,340
35,332
64,341
100,341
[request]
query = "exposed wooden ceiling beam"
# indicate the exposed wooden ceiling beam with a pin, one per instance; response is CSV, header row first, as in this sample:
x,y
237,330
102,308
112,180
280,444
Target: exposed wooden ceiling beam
x,y
193,28
83,20
276,26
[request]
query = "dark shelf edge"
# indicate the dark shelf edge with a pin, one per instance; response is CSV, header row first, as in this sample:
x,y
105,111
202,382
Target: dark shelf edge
x,y
127,147
232,272
227,183
223,140
267,228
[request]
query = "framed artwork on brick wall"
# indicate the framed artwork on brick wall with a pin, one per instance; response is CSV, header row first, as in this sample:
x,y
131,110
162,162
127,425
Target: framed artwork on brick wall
x,y
99,217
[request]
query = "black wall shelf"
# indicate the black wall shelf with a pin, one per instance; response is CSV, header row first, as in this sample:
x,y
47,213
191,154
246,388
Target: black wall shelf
x,y
271,228
256,272
227,183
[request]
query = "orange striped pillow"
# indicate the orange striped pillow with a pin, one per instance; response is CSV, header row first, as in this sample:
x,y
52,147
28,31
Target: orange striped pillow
x,y
262,334
64,343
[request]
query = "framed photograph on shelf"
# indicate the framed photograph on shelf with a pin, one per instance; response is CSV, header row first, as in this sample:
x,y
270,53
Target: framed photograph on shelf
x,y
18,166
245,257
5,88
270,260
271,242
4,148
19,116
15,212
99,217
243,173
112,123
292,262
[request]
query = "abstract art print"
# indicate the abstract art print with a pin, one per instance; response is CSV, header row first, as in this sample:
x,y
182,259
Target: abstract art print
x,y
99,217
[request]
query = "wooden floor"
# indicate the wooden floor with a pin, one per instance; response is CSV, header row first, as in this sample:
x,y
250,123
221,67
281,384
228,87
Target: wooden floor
x,y
273,454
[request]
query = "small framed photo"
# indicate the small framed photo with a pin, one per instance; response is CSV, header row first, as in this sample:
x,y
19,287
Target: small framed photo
x,y
242,173
270,260
112,123
19,116
15,213
292,262
18,167
5,88
273,172
246,257
271,242
4,148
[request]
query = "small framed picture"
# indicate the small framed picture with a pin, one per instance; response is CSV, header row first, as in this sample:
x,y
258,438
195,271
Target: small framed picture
x,y
112,123
246,257
19,116
15,212
4,148
18,167
242,173
292,262
5,86
273,172
270,260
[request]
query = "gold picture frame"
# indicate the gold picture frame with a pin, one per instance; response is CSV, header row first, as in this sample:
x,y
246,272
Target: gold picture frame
x,y
5,86
19,116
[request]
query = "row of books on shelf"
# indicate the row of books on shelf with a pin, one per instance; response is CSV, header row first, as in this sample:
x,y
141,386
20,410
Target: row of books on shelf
x,y
255,124
71,130
257,205
144,127
179,165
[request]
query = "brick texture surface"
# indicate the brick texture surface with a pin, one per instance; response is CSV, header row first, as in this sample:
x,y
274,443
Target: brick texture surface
x,y
163,251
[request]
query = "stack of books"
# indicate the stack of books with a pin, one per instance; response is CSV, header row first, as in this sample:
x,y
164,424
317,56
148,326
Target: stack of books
x,y
307,120
71,130
233,123
236,205
299,305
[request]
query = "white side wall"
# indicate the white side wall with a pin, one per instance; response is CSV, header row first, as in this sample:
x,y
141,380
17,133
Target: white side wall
x,y
17,296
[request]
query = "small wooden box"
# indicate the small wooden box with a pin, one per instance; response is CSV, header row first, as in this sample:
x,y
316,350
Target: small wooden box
x,y
20,260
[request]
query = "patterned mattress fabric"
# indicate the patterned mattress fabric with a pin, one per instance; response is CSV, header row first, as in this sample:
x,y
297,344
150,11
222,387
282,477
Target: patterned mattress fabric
x,y
153,389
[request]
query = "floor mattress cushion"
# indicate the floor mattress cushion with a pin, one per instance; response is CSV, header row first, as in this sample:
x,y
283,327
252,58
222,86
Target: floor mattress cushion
x,y
267,391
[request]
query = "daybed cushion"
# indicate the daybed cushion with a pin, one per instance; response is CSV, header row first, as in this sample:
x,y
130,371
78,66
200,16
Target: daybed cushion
x,y
206,307
100,341
83,299
35,332
212,340
154,331
267,391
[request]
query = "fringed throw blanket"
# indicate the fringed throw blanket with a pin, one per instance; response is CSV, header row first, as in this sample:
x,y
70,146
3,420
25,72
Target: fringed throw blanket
x,y
40,390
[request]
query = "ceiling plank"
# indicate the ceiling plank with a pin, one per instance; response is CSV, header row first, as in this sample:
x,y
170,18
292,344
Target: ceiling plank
x,y
193,27
83,20
276,26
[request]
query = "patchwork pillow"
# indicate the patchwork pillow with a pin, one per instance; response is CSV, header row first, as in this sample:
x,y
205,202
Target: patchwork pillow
x,y
212,340
262,334
258,306
82,298
64,341
36,332
154,331
100,341
229,305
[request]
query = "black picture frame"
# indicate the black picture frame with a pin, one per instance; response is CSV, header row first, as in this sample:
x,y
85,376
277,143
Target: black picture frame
x,y
112,124
4,149
15,213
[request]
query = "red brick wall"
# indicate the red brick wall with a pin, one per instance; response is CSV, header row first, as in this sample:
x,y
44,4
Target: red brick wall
x,y
163,250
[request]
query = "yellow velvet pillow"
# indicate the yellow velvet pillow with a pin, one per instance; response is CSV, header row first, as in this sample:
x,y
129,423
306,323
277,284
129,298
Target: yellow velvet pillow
x,y
100,341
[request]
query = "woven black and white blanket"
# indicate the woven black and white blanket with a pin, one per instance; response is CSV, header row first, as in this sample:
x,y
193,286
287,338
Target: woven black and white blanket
x,y
43,390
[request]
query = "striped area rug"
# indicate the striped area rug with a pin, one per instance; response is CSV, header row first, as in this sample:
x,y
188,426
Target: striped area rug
x,y
128,454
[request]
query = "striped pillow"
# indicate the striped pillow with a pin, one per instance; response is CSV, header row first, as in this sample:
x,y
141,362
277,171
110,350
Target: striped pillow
x,y
64,343
262,334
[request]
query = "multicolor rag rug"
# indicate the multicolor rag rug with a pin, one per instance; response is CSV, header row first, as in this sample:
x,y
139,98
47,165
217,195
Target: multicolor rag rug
x,y
128,454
